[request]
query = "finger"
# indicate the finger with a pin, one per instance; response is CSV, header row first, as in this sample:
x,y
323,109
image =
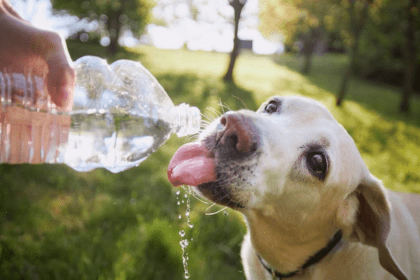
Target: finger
x,y
10,9
61,83
61,77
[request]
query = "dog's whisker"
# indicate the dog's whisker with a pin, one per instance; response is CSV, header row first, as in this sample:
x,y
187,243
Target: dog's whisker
x,y
203,127
205,122
208,208
224,106
208,117
217,212
189,191
199,199
186,189
215,113
240,99
192,137
209,114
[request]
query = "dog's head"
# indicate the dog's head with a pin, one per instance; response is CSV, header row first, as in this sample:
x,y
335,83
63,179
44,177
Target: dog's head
x,y
290,163
290,154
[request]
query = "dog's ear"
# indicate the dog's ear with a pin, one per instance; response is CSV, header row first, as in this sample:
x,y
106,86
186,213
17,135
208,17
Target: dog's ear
x,y
373,222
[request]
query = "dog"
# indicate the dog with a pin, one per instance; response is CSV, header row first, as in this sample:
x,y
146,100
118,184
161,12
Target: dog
x,y
312,208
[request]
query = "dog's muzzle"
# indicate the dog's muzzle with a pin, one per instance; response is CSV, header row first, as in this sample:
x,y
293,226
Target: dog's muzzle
x,y
237,140
221,164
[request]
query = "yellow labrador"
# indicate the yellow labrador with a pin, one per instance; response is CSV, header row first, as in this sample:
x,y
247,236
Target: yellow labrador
x,y
312,208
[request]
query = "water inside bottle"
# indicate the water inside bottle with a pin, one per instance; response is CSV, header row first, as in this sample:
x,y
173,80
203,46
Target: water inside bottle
x,y
115,141
30,131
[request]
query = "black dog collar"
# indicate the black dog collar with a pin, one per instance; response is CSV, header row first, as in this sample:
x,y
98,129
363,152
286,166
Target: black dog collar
x,y
311,261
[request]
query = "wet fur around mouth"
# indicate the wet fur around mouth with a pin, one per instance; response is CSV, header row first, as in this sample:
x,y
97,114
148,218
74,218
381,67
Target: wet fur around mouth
x,y
235,173
219,194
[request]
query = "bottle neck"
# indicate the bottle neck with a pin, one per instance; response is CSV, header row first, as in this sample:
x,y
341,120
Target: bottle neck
x,y
186,120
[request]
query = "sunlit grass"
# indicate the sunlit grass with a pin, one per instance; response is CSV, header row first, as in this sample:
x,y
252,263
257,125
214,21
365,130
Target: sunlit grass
x,y
59,224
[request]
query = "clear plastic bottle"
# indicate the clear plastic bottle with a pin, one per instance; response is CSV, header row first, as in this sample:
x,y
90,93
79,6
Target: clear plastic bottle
x,y
121,114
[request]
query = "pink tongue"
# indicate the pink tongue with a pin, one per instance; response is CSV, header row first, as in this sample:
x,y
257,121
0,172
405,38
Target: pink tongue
x,y
192,165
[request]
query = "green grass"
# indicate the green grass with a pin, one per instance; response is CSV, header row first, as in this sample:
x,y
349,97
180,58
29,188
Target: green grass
x,y
59,224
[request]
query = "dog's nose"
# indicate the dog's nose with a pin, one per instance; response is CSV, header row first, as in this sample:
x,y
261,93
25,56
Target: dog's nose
x,y
238,133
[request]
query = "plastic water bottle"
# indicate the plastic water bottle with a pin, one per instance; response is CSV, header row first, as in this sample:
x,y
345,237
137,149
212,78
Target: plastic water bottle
x,y
121,114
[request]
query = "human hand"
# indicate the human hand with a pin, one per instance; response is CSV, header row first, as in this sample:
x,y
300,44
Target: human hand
x,y
26,136
24,47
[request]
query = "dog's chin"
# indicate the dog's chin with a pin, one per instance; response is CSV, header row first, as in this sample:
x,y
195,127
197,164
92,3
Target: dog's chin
x,y
221,195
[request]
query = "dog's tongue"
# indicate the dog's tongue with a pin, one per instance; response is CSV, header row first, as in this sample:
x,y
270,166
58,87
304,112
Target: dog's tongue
x,y
192,165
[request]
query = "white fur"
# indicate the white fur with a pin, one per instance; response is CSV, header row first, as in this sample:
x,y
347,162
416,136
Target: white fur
x,y
290,215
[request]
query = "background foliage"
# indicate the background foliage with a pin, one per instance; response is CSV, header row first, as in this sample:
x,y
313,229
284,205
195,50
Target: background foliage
x,y
382,44
113,17
381,37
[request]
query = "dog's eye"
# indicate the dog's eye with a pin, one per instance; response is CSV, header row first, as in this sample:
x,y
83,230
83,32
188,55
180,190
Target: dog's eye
x,y
271,107
317,164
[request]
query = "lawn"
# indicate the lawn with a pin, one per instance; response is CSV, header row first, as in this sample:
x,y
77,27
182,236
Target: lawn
x,y
59,224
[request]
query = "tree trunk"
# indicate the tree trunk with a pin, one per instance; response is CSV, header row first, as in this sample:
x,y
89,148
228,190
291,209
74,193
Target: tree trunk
x,y
309,42
114,28
348,73
308,63
113,46
409,50
357,27
233,55
237,7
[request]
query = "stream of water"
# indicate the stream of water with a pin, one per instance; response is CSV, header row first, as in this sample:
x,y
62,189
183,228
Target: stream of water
x,y
185,199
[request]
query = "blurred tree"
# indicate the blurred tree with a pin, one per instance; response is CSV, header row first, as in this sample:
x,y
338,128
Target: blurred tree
x,y
357,11
304,23
113,16
410,51
388,49
237,6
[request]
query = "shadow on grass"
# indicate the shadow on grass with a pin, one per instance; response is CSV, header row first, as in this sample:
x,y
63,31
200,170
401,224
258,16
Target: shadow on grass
x,y
78,49
204,92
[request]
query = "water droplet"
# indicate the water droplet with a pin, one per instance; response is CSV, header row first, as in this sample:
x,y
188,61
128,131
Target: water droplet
x,y
184,242
133,201
225,213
